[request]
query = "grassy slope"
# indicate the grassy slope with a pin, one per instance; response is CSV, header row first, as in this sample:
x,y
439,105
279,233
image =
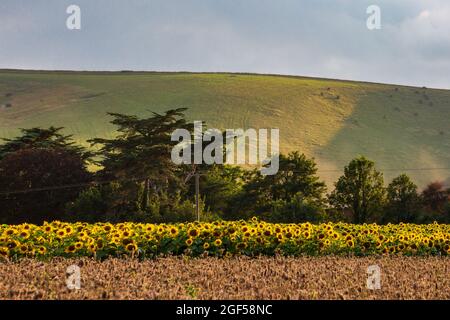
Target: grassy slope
x,y
398,127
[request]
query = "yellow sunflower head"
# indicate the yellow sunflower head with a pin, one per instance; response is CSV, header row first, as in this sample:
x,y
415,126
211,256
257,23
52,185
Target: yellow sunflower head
x,y
70,249
23,248
189,241
4,252
9,232
24,234
173,231
78,245
131,247
193,233
61,233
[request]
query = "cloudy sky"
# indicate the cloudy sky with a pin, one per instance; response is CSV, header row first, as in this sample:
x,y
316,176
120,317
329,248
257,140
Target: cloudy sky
x,y
312,38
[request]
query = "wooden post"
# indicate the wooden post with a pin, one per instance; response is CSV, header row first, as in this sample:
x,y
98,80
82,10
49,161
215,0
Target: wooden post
x,y
197,195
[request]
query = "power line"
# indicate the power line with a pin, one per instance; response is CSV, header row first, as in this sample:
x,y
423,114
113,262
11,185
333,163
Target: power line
x,y
69,186
395,170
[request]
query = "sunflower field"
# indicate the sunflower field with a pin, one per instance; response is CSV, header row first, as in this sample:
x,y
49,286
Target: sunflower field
x,y
220,239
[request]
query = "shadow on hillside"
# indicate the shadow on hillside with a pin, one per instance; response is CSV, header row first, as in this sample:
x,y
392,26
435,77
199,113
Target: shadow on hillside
x,y
397,130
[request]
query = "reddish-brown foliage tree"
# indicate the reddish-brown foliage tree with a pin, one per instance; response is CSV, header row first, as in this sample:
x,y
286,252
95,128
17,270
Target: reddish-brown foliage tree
x,y
24,172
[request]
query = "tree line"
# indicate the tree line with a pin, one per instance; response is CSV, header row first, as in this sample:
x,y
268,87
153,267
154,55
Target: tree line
x,y
44,175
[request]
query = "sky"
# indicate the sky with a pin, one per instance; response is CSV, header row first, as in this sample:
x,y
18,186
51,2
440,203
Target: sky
x,y
319,38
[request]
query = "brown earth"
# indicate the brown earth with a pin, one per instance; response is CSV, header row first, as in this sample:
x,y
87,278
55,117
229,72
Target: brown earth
x,y
236,278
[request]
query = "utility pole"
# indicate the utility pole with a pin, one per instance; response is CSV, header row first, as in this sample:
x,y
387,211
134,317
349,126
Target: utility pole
x,y
197,195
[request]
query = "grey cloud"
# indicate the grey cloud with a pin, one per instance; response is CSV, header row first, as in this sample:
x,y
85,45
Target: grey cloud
x,y
315,38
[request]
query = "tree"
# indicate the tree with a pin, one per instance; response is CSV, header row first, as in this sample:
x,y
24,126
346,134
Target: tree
x,y
296,174
435,196
219,185
360,189
49,138
296,179
403,200
58,172
141,155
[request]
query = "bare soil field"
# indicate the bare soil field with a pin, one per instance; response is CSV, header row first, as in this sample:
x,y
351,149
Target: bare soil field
x,y
236,278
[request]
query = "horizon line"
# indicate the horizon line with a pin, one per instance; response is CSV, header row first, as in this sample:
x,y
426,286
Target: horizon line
x,y
124,71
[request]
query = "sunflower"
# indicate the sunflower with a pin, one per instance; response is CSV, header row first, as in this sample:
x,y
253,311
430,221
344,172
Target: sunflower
x,y
193,233
70,249
61,233
115,241
127,241
206,245
48,229
126,234
350,243
131,247
228,255
189,241
307,234
24,234
241,245
12,244
99,244
42,250
148,237
78,245
23,248
173,231
218,242
69,230
9,232
4,252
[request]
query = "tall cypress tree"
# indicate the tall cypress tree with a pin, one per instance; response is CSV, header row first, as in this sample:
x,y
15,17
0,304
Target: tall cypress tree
x,y
141,152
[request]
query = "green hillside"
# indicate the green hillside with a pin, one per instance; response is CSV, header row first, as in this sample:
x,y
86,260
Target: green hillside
x,y
334,121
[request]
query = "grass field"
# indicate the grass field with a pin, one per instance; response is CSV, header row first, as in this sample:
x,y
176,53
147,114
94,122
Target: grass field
x,y
236,278
398,127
